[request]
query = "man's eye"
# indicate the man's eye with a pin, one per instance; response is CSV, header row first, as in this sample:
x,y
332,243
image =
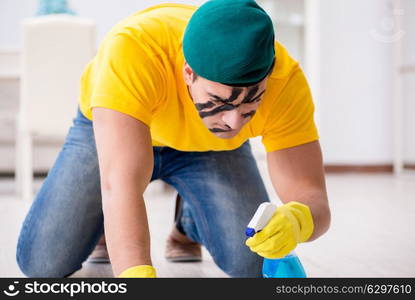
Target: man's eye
x,y
249,114
218,102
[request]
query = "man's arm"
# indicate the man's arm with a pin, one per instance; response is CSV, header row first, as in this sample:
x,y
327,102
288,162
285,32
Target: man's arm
x,y
126,161
297,174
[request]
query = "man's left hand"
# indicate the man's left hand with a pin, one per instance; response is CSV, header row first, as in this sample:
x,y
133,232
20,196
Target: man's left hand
x,y
292,223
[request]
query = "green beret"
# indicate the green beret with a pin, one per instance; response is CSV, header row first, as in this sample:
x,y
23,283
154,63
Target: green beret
x,y
230,41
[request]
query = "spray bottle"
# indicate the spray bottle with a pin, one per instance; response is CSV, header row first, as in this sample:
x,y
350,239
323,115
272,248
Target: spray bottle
x,y
287,267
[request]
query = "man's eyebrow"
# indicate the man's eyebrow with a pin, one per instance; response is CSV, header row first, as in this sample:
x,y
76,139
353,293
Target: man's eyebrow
x,y
250,97
216,97
250,100
234,95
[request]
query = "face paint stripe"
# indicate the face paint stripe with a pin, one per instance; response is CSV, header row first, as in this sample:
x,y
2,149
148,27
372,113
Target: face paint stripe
x,y
217,98
235,94
257,98
250,95
201,106
226,107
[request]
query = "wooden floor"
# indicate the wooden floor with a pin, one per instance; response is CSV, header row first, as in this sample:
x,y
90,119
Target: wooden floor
x,y
372,232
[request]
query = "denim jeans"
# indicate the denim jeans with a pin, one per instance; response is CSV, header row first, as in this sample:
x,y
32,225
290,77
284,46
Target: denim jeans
x,y
221,191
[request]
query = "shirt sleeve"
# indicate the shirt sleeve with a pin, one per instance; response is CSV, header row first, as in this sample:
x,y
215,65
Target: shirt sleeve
x,y
127,78
290,121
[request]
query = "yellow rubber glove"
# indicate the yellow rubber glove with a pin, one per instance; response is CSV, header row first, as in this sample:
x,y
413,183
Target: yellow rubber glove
x,y
292,223
143,271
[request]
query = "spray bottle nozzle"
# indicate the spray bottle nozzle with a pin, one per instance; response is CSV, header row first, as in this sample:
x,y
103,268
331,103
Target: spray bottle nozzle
x,y
260,219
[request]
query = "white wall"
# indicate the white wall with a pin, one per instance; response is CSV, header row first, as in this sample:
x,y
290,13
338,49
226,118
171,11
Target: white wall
x,y
11,14
355,91
106,13
347,53
288,19
408,87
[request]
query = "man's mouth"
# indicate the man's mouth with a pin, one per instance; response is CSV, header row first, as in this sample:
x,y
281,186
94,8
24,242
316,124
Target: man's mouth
x,y
220,130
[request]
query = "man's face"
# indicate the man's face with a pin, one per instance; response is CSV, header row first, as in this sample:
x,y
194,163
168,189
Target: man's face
x,y
224,109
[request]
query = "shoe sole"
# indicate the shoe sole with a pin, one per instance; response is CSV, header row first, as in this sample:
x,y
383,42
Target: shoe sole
x,y
184,259
98,260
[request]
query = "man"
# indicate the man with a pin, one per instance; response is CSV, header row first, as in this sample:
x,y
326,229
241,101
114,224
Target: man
x,y
174,93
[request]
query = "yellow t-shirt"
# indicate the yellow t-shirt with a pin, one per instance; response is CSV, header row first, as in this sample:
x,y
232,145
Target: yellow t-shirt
x,y
138,71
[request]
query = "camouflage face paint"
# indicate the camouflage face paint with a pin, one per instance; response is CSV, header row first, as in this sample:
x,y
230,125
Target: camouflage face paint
x,y
234,95
250,97
227,105
201,106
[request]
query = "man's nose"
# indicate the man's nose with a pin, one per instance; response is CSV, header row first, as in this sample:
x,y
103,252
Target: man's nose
x,y
233,119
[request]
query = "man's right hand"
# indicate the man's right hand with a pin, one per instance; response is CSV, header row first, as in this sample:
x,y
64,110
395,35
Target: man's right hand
x,y
143,271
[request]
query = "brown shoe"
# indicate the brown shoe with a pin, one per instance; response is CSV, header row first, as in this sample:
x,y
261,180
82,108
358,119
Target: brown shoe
x,y
180,248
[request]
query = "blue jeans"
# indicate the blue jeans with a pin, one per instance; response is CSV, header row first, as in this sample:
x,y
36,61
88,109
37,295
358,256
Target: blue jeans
x,y
221,191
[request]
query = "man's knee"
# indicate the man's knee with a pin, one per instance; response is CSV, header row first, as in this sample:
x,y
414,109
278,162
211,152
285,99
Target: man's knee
x,y
32,265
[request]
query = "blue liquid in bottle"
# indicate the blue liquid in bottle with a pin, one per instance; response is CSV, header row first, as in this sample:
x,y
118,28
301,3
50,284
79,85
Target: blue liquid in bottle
x,y
287,267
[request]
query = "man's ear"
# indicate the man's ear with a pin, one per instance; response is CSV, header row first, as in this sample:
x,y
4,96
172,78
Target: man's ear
x,y
188,74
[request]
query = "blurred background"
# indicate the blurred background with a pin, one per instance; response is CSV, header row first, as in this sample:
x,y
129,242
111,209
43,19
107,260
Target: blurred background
x,y
359,58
